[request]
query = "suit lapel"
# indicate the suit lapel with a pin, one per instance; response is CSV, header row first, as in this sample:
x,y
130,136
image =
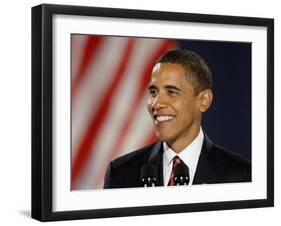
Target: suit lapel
x,y
205,172
156,158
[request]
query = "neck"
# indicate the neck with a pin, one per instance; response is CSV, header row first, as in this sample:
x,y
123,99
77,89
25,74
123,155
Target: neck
x,y
181,143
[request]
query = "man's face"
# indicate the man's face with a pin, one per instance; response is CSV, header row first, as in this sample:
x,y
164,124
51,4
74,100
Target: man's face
x,y
173,105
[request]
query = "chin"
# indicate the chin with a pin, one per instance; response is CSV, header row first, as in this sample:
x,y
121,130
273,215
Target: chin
x,y
163,138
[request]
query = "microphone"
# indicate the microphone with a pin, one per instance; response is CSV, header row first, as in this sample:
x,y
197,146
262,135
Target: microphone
x,y
148,175
181,174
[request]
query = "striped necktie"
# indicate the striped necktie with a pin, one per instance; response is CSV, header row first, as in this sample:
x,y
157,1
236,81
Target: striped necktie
x,y
176,160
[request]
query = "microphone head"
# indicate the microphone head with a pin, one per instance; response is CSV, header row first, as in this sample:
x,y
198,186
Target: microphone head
x,y
148,175
181,174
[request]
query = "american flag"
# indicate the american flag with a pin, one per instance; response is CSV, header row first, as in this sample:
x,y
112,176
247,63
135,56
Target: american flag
x,y
110,77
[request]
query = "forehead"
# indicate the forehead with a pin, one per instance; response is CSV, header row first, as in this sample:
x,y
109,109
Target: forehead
x,y
168,73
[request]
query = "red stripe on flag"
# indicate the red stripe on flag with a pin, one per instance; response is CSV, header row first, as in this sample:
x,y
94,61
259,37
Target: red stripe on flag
x,y
95,124
144,82
90,51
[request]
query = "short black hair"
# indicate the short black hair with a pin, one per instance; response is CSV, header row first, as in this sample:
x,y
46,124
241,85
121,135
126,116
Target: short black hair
x,y
200,76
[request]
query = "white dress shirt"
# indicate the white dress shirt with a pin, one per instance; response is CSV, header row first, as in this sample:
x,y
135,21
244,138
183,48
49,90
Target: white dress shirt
x,y
189,156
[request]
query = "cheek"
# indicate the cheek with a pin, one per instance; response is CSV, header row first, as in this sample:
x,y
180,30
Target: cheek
x,y
186,111
150,102
149,105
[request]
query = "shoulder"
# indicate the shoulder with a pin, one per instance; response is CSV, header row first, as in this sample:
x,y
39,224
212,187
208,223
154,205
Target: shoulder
x,y
230,164
125,170
225,156
139,155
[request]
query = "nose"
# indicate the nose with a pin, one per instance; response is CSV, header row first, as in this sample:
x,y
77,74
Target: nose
x,y
158,103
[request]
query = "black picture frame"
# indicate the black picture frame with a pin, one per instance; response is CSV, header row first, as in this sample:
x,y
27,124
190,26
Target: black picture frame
x,y
42,111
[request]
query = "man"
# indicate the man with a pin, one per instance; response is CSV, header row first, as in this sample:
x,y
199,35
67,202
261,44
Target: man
x,y
179,93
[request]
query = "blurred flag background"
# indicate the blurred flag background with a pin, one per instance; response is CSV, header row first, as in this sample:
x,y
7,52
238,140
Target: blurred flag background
x,y
110,77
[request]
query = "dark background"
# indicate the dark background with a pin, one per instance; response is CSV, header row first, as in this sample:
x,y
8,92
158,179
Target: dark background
x,y
228,121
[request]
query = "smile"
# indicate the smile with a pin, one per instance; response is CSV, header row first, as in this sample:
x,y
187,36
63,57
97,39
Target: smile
x,y
163,118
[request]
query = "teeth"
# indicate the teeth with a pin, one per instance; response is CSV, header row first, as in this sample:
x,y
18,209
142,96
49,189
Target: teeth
x,y
164,118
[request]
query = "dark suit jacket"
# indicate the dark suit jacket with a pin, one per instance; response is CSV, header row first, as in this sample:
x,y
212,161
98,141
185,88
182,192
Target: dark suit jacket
x,y
215,165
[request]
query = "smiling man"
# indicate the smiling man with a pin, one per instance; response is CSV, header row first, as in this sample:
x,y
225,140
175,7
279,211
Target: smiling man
x,y
180,91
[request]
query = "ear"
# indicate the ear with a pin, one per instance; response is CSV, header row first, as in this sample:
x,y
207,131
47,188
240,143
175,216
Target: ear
x,y
205,99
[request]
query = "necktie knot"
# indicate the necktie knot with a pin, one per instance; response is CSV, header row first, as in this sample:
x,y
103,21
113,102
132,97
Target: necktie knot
x,y
176,160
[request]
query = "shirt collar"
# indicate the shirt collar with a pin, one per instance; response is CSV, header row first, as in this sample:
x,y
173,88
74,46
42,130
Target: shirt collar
x,y
189,155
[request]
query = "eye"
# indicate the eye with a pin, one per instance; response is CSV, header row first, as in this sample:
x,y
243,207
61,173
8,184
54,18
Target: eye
x,y
172,92
153,92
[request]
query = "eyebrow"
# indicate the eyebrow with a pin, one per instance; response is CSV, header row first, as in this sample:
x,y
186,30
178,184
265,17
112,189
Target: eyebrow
x,y
172,87
150,87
